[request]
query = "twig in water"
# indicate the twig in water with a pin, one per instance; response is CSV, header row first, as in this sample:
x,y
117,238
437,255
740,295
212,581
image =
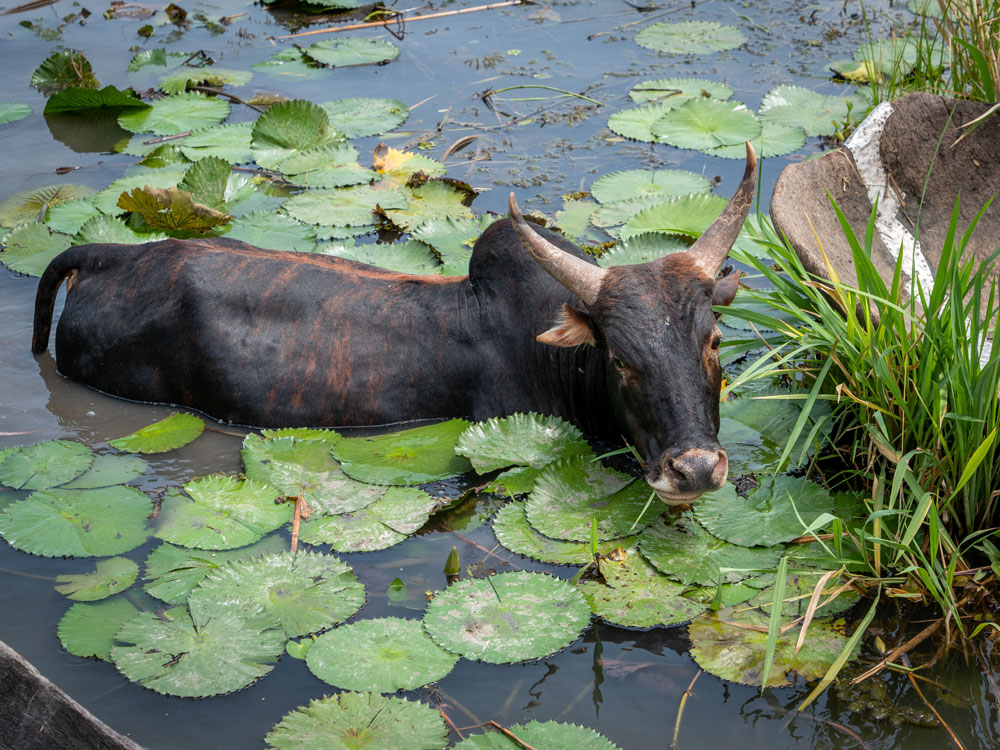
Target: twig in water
x,y
231,97
509,734
951,733
561,92
680,709
451,724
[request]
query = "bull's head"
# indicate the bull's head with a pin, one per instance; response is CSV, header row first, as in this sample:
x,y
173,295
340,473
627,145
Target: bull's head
x,y
655,326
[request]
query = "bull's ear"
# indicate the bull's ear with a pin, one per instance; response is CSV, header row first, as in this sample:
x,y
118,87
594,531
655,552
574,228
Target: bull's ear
x,y
725,289
571,329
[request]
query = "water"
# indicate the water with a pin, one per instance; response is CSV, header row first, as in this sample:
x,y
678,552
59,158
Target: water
x,y
626,684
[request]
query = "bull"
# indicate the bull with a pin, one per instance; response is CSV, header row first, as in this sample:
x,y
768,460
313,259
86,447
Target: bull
x,y
269,338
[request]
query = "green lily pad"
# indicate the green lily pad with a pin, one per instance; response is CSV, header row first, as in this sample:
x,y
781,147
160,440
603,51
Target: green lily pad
x,y
399,166
108,470
176,113
774,140
89,629
328,166
737,653
508,617
749,452
517,481
643,248
273,231
32,205
571,493
178,81
433,199
774,414
799,587
357,118
69,217
220,512
639,183
13,111
110,577
30,248
172,209
452,237
388,521
107,199
166,435
690,216
539,734
618,212
690,37
411,256
520,440
705,124
173,572
768,515
573,219
78,523
352,50
674,91
349,206
289,128
513,531
637,595
63,69
682,549
408,457
305,592
732,594
815,113
102,228
228,142
77,99
637,122
349,721
44,465
176,653
387,654
156,56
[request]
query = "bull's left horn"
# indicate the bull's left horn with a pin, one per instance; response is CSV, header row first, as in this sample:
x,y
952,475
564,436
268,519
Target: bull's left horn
x,y
579,276
713,246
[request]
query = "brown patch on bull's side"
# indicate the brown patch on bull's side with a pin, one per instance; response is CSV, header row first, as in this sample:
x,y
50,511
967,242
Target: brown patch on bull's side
x,y
71,279
572,328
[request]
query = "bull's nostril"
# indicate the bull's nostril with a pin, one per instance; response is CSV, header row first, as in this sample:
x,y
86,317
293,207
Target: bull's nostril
x,y
702,469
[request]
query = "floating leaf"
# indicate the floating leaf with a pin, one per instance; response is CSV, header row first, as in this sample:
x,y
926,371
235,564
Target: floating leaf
x,y
797,106
539,734
689,216
176,114
640,183
433,199
405,257
352,51
166,435
387,654
79,523
682,549
328,166
690,37
107,199
31,247
674,91
408,457
507,617
273,231
388,521
775,415
172,209
774,140
32,205
769,515
520,440
89,629
575,491
176,653
618,212
513,531
290,63
705,124
173,572
110,577
400,166
13,111
349,206
452,237
63,69
76,99
207,181
643,248
305,592
228,142
69,217
349,721
44,465
179,80
156,56
736,653
357,118
749,452
637,122
103,228
574,218
288,128
637,595
108,470
799,587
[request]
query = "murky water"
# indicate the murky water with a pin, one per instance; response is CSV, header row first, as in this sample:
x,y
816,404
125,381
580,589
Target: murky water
x,y
626,684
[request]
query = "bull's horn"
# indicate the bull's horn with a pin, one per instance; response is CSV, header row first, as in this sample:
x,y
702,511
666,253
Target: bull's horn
x,y
713,246
579,276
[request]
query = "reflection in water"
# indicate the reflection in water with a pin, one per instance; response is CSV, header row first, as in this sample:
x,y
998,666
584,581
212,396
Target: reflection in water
x,y
91,131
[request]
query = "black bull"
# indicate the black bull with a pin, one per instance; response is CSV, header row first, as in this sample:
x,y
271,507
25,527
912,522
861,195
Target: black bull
x,y
269,338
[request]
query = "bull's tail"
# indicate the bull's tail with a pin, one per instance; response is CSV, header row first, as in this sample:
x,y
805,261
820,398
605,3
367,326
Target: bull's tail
x,y
63,266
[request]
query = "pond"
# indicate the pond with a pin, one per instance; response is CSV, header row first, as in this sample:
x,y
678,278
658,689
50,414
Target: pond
x,y
627,684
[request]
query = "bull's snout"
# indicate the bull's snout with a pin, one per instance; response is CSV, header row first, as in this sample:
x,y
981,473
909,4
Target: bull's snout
x,y
685,476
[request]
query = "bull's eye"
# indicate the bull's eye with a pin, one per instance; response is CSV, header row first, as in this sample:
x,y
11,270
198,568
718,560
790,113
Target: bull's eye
x,y
619,365
716,341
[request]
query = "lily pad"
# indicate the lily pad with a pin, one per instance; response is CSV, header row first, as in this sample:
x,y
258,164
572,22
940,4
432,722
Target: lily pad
x,y
288,128
513,531
349,206
176,114
352,50
30,248
539,734
79,523
705,124
13,111
749,452
639,183
690,37
643,248
774,140
110,577
431,200
44,465
520,440
178,81
674,91
799,587
387,654
768,515
70,216
571,493
410,257
108,470
774,415
107,199
736,653
349,721
273,231
682,549
690,216
815,113
573,219
388,521
408,457
77,99
220,512
508,617
452,237
637,122
32,205
173,572
328,166
166,435
102,228
360,117
400,166
637,595
176,653
618,212
63,69
89,629
229,142
172,209
305,592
